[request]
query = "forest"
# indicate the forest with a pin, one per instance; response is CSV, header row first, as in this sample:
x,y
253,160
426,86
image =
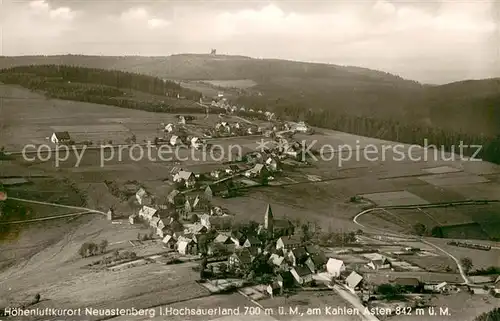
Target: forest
x,y
107,87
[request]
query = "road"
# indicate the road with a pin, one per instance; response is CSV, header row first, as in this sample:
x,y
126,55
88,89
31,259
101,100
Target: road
x,y
421,239
355,302
82,211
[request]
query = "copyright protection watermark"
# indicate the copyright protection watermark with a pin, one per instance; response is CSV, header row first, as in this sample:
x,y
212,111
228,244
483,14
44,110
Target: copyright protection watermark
x,y
108,154
303,151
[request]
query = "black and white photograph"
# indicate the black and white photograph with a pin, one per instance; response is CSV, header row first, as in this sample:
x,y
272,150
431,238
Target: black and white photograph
x,y
258,160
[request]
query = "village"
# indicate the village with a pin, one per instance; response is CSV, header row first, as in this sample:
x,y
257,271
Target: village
x,y
181,221
277,256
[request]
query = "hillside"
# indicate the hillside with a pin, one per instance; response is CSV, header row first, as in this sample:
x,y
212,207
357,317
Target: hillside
x,y
470,106
109,87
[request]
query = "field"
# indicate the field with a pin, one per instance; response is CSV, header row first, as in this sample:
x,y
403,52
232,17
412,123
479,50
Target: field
x,y
241,83
462,307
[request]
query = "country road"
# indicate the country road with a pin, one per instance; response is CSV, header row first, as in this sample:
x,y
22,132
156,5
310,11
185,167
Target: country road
x,y
82,211
355,302
421,239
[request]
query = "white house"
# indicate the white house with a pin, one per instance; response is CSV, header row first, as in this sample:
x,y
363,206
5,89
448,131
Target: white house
x,y
196,143
353,280
377,262
287,243
147,212
169,128
60,138
334,267
188,177
142,197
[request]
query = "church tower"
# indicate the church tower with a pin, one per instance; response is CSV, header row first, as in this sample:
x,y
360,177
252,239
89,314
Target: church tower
x,y
269,219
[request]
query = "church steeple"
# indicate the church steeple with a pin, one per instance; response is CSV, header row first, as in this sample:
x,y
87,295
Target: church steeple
x,y
269,219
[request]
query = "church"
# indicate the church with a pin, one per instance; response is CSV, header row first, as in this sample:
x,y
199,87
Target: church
x,y
277,227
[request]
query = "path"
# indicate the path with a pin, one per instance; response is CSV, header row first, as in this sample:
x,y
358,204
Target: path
x,y
46,218
82,211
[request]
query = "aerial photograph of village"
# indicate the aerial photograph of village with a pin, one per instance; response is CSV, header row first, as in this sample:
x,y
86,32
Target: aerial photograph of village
x,y
280,160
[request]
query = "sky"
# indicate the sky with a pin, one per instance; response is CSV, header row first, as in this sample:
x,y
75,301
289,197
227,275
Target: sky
x,y
428,41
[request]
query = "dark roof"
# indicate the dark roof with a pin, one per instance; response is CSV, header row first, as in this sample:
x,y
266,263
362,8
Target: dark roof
x,y
244,256
318,259
290,240
253,240
62,135
300,254
311,249
407,281
286,277
302,270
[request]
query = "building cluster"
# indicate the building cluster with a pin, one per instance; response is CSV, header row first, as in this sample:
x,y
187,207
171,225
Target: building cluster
x,y
225,129
222,103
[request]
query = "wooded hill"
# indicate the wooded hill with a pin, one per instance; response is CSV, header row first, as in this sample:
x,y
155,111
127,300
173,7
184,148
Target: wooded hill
x,y
357,101
468,106
108,87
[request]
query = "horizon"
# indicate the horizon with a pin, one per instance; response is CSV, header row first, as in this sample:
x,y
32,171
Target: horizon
x,y
433,42
267,58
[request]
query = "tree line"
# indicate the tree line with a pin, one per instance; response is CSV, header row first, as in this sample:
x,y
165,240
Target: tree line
x,y
107,87
399,131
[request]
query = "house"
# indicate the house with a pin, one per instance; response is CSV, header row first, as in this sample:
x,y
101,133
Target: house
x,y
187,177
409,284
302,275
196,143
186,247
198,229
272,164
143,197
442,287
298,256
222,238
288,242
169,241
286,279
232,169
217,189
259,170
238,238
218,223
354,280
216,174
176,198
162,231
169,128
378,262
175,140
147,213
132,218
283,227
220,249
277,261
274,289
154,222
60,138
240,259
252,241
478,289
316,262
335,267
